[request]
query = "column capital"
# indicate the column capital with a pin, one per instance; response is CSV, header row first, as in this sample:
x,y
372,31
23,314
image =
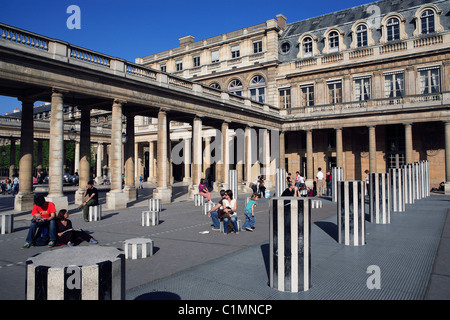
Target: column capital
x,y
119,101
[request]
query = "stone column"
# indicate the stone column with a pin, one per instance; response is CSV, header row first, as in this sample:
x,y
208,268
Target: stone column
x,y
84,155
309,159
197,143
116,198
12,158
248,155
372,150
339,149
225,155
151,162
99,163
187,161
408,143
162,191
130,174
282,161
207,157
25,198
77,157
56,153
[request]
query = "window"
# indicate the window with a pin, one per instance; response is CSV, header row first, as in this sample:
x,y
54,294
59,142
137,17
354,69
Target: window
x,y
258,89
394,84
393,29
334,41
235,87
361,36
429,80
215,56
307,95
163,68
285,98
215,85
334,92
427,22
307,47
285,47
362,88
197,61
235,51
179,65
257,46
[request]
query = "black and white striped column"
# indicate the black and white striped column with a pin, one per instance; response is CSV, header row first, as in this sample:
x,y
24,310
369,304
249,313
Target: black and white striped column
x,y
138,248
397,177
280,182
418,181
379,198
6,223
410,189
154,205
149,218
95,213
76,273
207,207
337,174
199,200
351,213
424,172
233,182
290,244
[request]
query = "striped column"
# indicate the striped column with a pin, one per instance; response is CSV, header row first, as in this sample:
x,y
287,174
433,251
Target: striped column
x,y
6,223
280,182
397,189
139,248
290,244
149,218
409,180
424,178
379,198
206,207
337,174
417,181
351,213
233,182
154,205
77,273
95,213
198,200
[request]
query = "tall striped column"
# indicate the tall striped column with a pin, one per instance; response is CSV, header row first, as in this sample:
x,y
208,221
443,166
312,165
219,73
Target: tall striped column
x,y
417,181
337,174
290,244
351,213
233,182
78,273
6,223
280,182
409,180
397,189
425,174
379,198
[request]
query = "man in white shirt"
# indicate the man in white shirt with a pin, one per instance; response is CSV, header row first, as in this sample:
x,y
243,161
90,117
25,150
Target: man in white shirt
x,y
319,182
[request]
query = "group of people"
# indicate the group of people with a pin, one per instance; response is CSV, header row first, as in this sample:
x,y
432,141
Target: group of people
x,y
259,187
297,187
55,229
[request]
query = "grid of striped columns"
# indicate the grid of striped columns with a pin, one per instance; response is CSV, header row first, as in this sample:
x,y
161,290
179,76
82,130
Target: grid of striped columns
x,y
280,182
149,218
409,180
337,174
290,244
6,223
379,198
397,189
154,205
77,273
95,213
199,200
138,248
351,213
233,182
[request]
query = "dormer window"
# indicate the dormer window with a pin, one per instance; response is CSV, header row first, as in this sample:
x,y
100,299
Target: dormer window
x,y
393,29
427,22
361,36
307,46
333,41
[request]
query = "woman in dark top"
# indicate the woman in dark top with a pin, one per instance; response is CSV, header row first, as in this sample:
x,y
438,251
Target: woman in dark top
x,y
66,234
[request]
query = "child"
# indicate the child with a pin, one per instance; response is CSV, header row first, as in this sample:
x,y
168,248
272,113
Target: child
x,y
249,212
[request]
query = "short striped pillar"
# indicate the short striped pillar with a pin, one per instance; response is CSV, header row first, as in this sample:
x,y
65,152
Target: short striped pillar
x,y
233,182
154,205
138,248
95,213
351,213
290,244
337,174
408,174
6,223
206,207
150,218
315,204
280,182
397,189
76,273
424,180
379,198
238,221
199,200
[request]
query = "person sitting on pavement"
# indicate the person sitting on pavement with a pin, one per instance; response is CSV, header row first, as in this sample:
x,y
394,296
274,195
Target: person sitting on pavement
x,y
92,200
66,234
216,212
230,208
203,190
43,222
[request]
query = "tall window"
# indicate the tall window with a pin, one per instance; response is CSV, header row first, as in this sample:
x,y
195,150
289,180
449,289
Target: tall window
x,y
235,87
362,88
235,51
196,61
394,84
258,89
361,36
215,56
163,68
307,95
285,98
179,65
334,41
334,92
257,46
430,80
307,47
393,29
427,22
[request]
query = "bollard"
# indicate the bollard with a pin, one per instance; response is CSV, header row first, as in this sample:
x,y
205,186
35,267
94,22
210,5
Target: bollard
x,y
290,244
198,200
154,205
150,218
76,273
280,182
379,198
138,248
408,174
206,207
233,182
6,223
315,204
397,189
337,174
95,213
351,213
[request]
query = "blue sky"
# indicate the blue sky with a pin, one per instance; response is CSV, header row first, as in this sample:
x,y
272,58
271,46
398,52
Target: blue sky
x,y
136,28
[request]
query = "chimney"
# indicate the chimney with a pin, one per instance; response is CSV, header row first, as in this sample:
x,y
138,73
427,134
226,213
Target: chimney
x,y
281,21
186,40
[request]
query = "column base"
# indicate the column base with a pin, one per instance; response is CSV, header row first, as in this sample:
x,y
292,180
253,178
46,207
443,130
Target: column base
x,y
60,201
23,201
165,194
131,193
116,200
79,196
447,188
